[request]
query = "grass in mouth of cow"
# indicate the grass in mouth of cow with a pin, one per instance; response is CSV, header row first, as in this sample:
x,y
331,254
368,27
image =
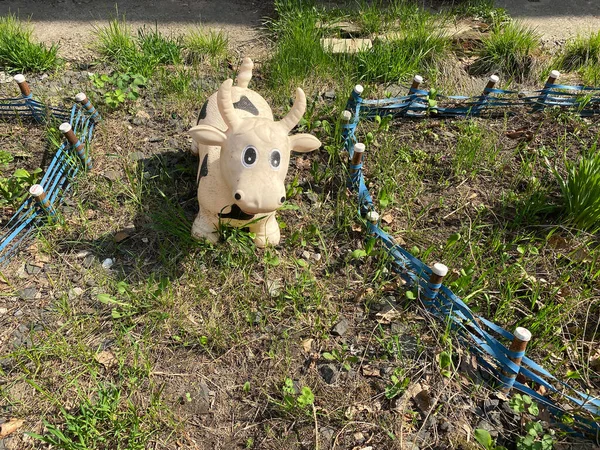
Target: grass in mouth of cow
x,y
314,343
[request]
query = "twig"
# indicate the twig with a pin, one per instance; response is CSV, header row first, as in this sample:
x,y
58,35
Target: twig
x,y
316,427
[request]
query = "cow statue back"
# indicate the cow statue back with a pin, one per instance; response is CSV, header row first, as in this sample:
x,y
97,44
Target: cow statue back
x,y
243,159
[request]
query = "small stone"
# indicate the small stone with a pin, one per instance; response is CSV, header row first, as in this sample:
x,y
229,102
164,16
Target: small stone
x,y
329,95
18,313
274,288
359,437
485,425
327,433
340,328
490,405
317,256
306,255
111,175
3,311
156,139
32,269
108,263
28,293
43,77
136,156
75,292
82,253
88,261
445,427
329,373
145,240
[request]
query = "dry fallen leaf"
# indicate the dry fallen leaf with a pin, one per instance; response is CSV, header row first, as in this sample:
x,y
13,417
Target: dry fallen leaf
x,y
307,345
388,317
387,218
369,371
106,358
120,236
10,427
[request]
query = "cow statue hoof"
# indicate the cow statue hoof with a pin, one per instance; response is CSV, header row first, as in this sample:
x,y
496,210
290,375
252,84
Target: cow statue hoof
x,y
243,159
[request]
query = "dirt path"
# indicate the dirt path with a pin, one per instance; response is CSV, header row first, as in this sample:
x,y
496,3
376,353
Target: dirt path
x,y
556,20
71,22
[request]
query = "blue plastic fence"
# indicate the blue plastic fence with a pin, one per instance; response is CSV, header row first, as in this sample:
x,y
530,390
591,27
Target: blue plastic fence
x,y
420,103
483,338
60,173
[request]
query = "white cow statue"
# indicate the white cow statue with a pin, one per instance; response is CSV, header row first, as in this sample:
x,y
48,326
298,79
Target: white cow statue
x,y
243,159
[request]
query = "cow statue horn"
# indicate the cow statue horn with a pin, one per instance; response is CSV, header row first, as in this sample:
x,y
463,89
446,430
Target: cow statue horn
x,y
245,74
295,114
225,104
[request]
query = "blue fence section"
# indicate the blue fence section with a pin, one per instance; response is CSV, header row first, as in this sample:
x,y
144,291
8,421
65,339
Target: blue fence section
x,y
59,175
576,411
420,103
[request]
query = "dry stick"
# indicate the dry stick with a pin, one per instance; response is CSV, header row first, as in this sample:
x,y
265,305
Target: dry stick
x,y
23,85
66,129
521,338
316,427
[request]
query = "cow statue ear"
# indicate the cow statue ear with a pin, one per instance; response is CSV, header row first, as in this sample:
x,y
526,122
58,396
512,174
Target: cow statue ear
x,y
303,143
207,135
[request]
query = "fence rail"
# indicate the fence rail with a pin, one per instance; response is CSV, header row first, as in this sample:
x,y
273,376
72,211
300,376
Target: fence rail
x,y
46,196
508,366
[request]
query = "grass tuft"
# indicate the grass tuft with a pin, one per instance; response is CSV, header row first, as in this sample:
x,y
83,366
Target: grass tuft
x,y
18,53
137,56
201,45
582,54
508,50
580,190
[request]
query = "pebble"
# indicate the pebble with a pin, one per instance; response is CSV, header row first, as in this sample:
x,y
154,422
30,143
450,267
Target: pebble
x,y
28,293
136,156
490,404
306,255
111,175
75,292
108,263
340,328
329,372
82,253
33,269
485,425
88,261
3,311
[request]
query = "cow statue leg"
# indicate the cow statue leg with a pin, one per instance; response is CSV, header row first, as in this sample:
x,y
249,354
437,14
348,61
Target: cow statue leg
x,y
267,231
204,227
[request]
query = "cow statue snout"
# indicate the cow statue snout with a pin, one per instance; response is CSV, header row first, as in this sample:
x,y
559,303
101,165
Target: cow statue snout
x,y
243,159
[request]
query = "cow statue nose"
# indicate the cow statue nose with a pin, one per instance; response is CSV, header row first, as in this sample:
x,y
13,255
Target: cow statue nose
x,y
282,200
237,195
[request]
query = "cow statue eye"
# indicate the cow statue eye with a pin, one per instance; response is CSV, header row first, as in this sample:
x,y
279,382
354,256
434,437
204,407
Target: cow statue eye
x,y
275,159
249,156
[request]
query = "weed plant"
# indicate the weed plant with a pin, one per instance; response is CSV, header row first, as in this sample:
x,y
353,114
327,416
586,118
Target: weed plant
x,y
580,189
18,53
509,50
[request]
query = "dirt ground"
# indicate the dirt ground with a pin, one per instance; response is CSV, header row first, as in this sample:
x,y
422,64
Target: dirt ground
x,y
556,20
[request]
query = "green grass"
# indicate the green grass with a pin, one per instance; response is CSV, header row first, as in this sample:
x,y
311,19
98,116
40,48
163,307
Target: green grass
x,y
484,10
18,52
582,54
415,45
136,55
201,45
509,50
580,189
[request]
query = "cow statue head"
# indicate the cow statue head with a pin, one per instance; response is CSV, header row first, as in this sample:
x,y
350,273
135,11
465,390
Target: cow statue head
x,y
253,158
